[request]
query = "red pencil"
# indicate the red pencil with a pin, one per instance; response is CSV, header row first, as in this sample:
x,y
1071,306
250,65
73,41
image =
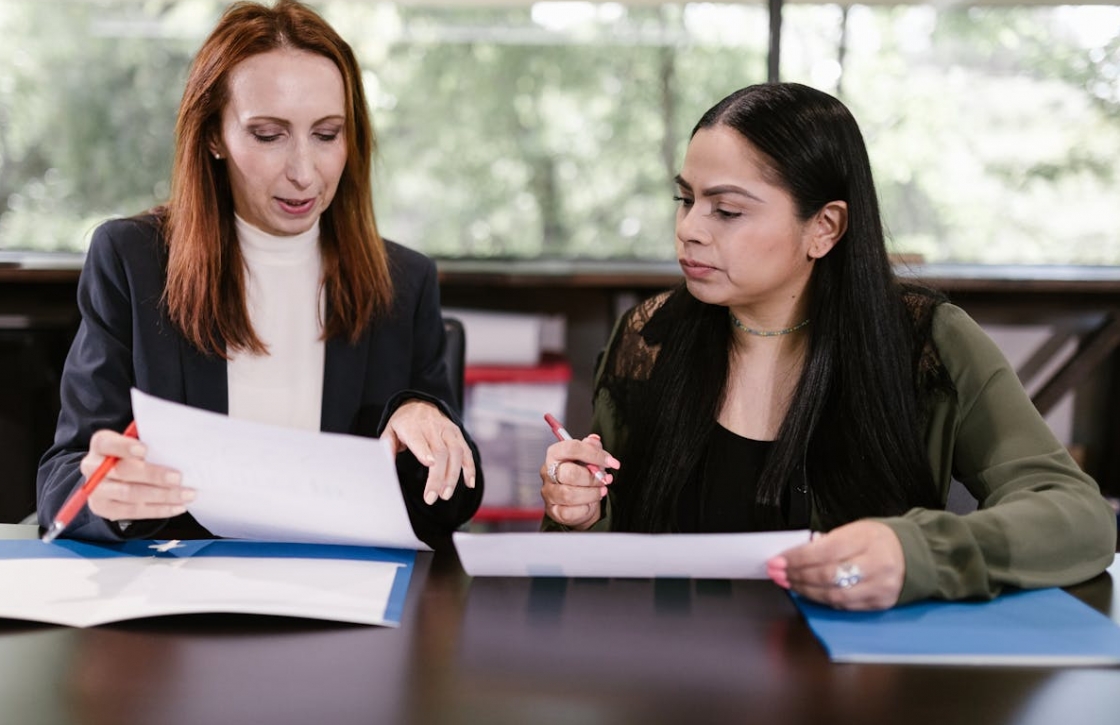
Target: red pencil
x,y
564,435
81,494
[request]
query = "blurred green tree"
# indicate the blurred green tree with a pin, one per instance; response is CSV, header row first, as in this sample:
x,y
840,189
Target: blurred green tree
x,y
87,112
554,129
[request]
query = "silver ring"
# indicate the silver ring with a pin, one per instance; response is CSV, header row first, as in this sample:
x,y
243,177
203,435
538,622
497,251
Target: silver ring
x,y
552,468
847,576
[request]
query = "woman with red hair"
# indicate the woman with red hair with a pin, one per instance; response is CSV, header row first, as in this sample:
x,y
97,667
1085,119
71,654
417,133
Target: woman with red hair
x,y
261,289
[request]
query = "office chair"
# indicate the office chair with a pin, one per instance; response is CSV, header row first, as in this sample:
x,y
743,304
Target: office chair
x,y
454,354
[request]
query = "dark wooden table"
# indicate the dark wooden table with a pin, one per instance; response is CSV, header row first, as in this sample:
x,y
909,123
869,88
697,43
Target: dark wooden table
x,y
520,651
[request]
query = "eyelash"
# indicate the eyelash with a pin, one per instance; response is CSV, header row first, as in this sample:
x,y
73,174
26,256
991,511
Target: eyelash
x,y
721,213
269,138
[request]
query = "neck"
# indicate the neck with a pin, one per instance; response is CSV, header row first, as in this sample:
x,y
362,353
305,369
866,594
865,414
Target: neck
x,y
783,345
759,332
259,246
766,332
763,373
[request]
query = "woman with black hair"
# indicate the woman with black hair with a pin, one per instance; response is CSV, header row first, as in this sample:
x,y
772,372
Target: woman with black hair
x,y
793,381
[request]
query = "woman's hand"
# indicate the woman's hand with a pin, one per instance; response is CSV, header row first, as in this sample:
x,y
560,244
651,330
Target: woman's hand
x,y
134,489
857,566
436,442
570,491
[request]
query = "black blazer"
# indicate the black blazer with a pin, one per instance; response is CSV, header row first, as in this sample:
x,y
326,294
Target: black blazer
x,y
126,339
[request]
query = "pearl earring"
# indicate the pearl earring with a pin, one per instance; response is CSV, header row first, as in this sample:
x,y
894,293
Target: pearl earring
x,y
217,155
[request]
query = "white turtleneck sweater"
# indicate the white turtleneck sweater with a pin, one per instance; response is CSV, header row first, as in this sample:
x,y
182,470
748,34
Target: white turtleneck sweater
x,y
285,300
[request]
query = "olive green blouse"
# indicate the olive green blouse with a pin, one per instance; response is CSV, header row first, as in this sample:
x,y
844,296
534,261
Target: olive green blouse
x,y
1041,521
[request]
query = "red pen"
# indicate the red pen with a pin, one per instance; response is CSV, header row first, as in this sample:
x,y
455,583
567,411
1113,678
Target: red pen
x,y
81,494
564,435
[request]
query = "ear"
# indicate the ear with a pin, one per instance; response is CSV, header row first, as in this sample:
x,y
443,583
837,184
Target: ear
x,y
826,228
215,147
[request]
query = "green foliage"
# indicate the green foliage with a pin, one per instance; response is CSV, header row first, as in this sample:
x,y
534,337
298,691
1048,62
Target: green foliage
x,y
87,119
993,130
508,133
505,148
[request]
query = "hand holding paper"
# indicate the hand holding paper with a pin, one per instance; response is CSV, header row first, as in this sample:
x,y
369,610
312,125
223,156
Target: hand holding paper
x,y
257,481
814,569
436,442
132,488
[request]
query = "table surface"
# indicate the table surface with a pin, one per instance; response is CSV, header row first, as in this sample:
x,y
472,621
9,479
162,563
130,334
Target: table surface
x,y
519,650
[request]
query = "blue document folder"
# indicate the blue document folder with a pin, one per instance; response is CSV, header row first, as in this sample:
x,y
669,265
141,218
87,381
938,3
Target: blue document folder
x,y
80,583
1044,627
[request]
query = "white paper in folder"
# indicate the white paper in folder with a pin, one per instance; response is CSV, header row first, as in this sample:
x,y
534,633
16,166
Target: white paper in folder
x,y
506,338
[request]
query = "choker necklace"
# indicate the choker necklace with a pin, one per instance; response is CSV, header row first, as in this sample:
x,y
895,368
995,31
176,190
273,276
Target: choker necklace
x,y
766,333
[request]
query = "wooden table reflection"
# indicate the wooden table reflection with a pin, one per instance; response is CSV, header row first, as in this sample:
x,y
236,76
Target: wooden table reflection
x,y
521,651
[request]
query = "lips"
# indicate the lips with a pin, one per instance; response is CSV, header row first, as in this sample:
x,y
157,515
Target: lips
x,y
695,270
296,206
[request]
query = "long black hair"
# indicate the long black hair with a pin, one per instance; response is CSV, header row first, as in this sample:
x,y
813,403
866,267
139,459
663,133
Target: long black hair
x,y
853,434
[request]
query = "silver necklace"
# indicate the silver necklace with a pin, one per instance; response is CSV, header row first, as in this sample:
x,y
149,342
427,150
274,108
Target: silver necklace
x,y
766,333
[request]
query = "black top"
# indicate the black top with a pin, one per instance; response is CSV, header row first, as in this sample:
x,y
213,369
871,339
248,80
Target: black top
x,y
722,498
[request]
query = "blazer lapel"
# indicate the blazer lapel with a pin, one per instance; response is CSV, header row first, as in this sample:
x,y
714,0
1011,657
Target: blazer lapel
x,y
343,375
205,381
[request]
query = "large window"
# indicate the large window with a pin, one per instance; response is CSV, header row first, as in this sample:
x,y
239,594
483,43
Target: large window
x,y
553,129
994,131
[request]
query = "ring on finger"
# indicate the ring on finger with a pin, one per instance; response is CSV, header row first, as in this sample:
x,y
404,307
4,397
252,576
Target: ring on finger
x,y
847,576
552,470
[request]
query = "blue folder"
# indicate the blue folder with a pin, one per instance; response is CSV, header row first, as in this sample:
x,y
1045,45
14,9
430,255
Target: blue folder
x,y
1044,627
197,549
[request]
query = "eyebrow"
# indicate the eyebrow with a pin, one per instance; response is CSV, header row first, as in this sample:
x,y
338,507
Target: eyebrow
x,y
717,190
285,122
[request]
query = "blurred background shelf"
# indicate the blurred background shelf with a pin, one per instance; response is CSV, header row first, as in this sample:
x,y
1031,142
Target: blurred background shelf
x,y
1058,324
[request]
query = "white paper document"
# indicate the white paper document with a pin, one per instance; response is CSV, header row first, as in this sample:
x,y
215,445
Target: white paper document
x,y
265,482
572,554
80,584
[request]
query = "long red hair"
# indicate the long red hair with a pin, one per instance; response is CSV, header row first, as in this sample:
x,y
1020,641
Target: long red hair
x,y
205,292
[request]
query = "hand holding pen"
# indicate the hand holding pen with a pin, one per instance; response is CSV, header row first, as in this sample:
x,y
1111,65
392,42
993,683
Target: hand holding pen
x,y
573,477
80,496
120,484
